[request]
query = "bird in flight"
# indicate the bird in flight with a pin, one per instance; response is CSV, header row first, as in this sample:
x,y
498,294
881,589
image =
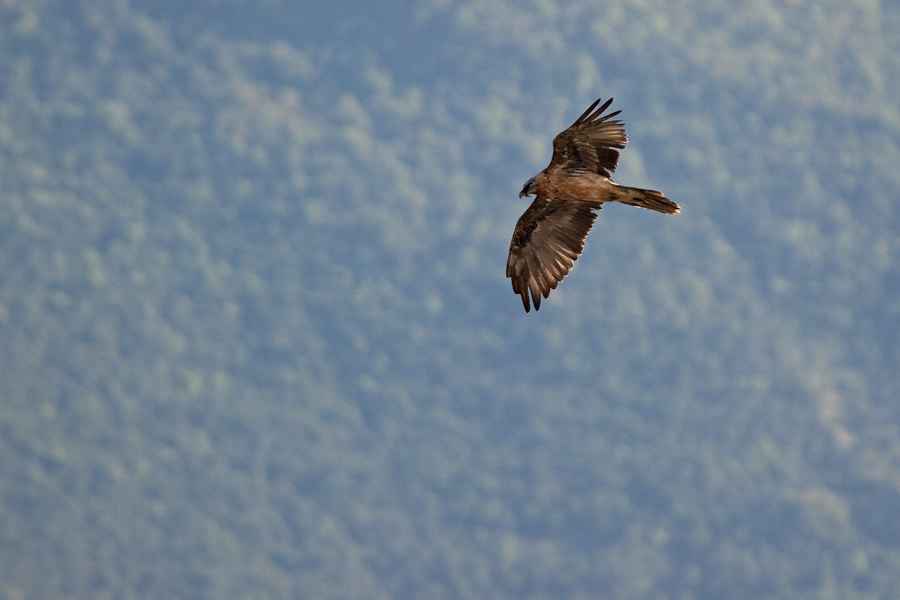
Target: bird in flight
x,y
549,236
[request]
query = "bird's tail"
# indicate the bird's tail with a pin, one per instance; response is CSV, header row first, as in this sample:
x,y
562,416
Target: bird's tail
x,y
646,199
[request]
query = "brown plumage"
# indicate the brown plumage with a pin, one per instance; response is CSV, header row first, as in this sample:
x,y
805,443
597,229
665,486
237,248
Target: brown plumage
x,y
549,236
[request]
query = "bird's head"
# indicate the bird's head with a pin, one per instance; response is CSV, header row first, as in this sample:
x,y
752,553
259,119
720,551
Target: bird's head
x,y
528,189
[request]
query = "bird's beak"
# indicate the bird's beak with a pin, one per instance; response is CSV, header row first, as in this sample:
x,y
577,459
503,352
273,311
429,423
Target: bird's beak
x,y
526,189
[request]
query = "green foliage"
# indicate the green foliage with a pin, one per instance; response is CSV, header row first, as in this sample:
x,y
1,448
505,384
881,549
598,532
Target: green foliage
x,y
257,342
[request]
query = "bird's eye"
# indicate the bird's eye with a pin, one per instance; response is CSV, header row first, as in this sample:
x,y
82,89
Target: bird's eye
x,y
526,189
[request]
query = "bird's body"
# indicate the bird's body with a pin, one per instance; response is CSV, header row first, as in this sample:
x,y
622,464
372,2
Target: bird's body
x,y
549,236
586,187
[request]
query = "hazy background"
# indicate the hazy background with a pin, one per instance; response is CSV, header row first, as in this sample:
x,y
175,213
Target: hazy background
x,y
256,339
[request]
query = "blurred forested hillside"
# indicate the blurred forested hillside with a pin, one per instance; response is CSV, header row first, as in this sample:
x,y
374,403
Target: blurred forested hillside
x,y
256,339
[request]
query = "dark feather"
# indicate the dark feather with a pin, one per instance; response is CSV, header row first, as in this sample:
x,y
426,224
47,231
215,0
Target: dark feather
x,y
591,143
548,239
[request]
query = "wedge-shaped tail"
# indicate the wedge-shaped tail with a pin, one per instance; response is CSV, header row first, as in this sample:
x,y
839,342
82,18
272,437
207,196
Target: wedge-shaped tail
x,y
646,199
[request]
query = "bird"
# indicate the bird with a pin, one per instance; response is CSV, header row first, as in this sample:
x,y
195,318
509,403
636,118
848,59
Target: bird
x,y
549,236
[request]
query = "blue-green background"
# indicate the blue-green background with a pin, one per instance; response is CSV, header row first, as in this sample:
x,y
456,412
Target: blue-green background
x,y
256,339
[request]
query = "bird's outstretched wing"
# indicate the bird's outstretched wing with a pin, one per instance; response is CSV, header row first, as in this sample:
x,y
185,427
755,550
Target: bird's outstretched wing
x,y
591,143
548,239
